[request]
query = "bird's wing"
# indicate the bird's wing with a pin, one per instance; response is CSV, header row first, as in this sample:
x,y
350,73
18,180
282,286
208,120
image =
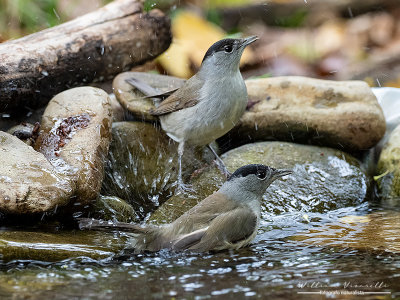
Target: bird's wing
x,y
147,89
187,96
224,231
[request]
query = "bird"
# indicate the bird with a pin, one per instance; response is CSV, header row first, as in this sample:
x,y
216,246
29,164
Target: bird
x,y
227,219
209,104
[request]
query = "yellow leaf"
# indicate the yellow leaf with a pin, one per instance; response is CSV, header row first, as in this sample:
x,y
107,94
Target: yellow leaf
x,y
192,37
176,61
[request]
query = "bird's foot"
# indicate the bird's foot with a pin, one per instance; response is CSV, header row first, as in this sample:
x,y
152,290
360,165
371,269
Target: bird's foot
x,y
224,170
183,189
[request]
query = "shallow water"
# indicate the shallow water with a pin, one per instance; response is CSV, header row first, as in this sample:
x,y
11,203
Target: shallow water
x,y
278,265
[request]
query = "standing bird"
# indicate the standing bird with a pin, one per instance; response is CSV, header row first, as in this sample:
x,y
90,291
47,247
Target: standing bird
x,y
227,219
210,103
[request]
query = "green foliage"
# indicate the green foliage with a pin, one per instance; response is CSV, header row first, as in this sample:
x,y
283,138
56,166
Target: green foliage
x,y
164,5
18,17
21,17
149,5
213,16
295,20
266,75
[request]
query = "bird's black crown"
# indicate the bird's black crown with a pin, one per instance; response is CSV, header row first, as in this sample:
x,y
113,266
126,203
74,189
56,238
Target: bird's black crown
x,y
260,171
220,46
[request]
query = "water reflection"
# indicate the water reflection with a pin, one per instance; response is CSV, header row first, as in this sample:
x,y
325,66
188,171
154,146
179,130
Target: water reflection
x,y
278,264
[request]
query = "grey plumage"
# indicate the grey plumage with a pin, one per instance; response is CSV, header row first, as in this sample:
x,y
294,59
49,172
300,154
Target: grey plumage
x,y
210,103
227,219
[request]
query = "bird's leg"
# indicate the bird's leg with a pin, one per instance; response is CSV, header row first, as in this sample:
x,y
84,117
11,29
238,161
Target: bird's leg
x,y
220,163
181,187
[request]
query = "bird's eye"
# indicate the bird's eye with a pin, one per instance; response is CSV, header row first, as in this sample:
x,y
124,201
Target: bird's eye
x,y
261,174
228,48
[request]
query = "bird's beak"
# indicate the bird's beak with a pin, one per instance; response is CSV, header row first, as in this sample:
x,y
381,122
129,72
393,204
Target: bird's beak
x,y
280,173
249,40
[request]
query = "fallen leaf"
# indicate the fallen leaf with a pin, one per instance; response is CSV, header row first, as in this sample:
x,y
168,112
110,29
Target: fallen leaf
x,y
193,35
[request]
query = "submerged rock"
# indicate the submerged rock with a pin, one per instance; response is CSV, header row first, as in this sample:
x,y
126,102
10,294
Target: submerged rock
x,y
142,165
43,246
340,114
323,179
378,232
114,209
28,182
389,167
75,136
134,100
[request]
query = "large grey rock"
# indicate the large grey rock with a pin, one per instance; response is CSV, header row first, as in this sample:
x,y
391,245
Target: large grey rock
x,y
28,182
134,100
324,179
389,167
143,165
340,114
75,136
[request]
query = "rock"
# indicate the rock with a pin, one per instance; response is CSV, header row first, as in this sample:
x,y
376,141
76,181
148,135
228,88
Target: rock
x,y
113,209
75,136
339,114
388,166
118,110
142,165
133,100
324,179
44,246
377,232
26,132
28,182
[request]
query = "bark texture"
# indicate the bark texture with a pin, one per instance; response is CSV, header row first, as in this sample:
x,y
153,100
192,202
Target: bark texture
x,y
93,47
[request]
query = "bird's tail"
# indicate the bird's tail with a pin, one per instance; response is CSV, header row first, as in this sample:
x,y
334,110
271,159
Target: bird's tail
x,y
94,224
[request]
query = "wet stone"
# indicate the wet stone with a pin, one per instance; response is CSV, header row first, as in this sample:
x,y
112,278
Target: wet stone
x,y
114,209
142,165
339,114
75,136
323,179
118,110
44,246
28,182
388,168
133,100
26,132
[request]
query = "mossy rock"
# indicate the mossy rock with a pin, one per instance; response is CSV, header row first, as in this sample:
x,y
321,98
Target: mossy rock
x,y
389,164
323,179
142,165
114,209
43,246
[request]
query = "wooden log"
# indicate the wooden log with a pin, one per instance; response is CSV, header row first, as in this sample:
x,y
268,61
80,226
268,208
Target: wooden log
x,y
91,48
